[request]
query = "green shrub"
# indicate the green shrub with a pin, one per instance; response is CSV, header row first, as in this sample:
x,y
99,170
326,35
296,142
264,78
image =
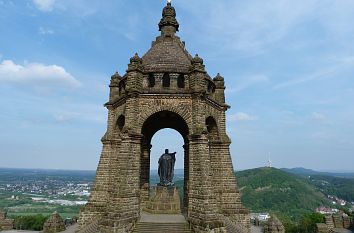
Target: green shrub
x,y
34,222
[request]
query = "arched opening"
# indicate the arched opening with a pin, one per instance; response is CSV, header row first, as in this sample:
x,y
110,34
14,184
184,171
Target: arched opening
x,y
180,81
121,87
211,87
212,127
121,122
166,80
164,130
151,80
173,141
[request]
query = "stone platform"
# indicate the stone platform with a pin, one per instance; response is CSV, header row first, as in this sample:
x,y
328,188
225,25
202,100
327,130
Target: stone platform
x,y
165,200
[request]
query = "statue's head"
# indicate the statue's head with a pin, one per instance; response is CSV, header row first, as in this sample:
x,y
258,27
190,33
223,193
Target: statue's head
x,y
166,151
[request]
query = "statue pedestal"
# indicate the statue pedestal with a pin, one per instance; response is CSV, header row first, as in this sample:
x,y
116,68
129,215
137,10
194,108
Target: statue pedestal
x,y
165,200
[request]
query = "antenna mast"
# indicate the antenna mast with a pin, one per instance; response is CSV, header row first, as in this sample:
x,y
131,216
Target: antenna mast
x,y
269,161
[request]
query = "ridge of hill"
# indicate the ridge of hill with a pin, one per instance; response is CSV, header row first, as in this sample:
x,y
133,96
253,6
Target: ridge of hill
x,y
274,190
309,172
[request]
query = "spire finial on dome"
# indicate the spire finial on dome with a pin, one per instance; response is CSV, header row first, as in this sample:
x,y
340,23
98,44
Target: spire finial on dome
x,y
168,24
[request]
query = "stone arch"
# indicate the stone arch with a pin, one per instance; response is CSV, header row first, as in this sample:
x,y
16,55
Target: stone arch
x,y
154,122
184,113
164,119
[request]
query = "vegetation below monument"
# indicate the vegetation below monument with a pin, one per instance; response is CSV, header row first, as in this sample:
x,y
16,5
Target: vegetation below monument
x,y
336,184
32,222
292,197
273,190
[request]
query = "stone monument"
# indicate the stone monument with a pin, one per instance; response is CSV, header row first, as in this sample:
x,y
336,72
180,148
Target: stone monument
x,y
5,223
274,225
165,88
166,168
54,224
165,198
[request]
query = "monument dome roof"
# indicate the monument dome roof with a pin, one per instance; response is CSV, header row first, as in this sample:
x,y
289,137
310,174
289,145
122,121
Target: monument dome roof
x,y
168,53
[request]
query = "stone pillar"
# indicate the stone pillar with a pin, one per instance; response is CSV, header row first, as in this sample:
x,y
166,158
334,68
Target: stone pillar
x,y
202,211
124,208
186,176
225,185
99,197
145,172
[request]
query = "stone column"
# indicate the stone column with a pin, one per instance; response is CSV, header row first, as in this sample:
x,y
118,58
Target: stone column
x,y
124,208
225,185
186,175
99,197
202,211
145,172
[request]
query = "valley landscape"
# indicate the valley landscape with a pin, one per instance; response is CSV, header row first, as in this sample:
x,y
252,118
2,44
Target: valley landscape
x,y
291,194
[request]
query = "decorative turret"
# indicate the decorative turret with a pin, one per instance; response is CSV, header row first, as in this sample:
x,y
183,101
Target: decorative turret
x,y
197,64
168,24
135,63
114,86
134,81
220,88
197,75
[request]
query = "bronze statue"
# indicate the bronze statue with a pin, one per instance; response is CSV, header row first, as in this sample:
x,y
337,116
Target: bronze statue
x,y
166,168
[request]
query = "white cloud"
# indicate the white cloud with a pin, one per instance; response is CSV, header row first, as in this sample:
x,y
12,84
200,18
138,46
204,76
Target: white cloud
x,y
65,117
318,116
45,31
323,73
44,5
251,26
247,82
80,112
241,116
37,75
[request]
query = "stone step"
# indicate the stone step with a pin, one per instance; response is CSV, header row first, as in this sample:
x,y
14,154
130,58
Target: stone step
x,y
149,227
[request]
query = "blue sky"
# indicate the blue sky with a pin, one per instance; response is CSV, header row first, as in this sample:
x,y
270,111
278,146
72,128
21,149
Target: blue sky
x,y
288,67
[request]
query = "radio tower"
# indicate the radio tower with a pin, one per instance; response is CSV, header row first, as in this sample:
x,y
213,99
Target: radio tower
x,y
269,161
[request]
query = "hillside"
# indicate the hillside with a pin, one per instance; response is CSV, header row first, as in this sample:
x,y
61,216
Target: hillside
x,y
336,186
273,190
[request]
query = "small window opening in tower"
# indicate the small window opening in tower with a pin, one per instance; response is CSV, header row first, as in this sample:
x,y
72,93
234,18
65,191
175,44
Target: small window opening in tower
x,y
121,122
210,87
121,87
212,128
180,81
151,80
166,80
